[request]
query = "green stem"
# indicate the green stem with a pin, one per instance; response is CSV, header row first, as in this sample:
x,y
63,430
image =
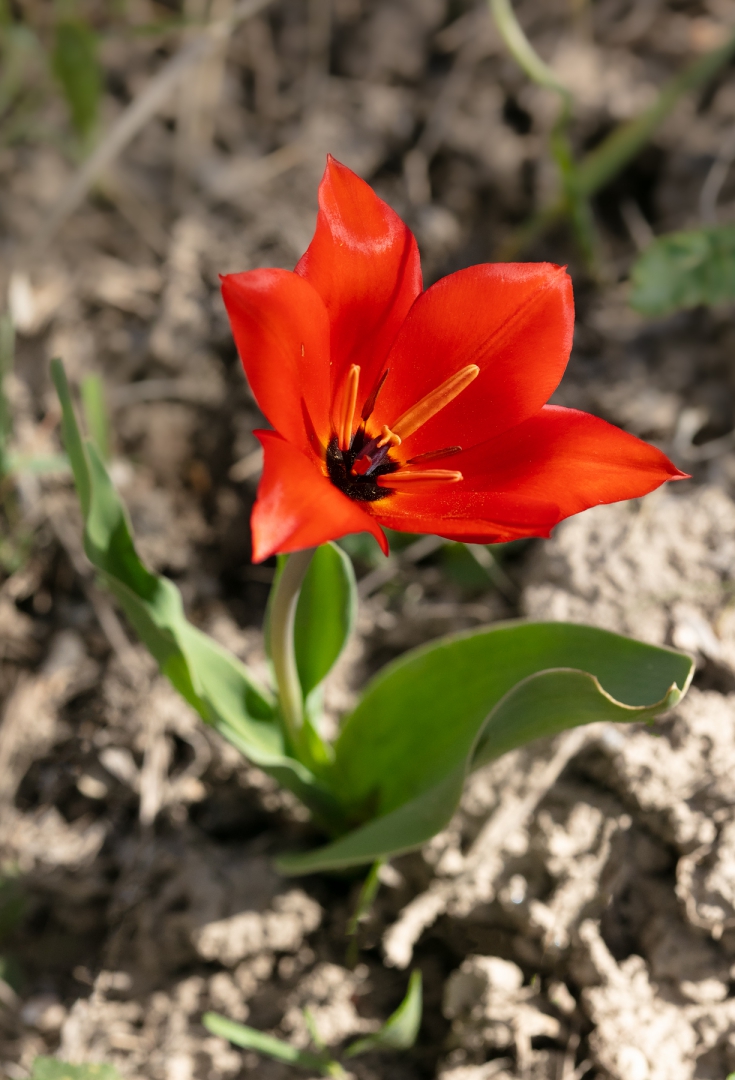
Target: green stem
x,y
539,72
283,656
606,160
619,148
523,51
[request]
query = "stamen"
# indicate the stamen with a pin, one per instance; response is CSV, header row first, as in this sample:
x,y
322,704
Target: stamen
x,y
367,409
429,406
349,403
388,438
431,455
408,479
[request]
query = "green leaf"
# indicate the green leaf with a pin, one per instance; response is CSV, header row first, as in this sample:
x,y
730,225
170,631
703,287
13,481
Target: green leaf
x,y
7,353
684,269
75,65
325,614
48,1068
214,682
400,1030
250,1039
95,413
12,903
443,709
37,464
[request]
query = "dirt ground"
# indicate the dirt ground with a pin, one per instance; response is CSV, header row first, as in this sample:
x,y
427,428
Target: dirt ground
x,y
577,919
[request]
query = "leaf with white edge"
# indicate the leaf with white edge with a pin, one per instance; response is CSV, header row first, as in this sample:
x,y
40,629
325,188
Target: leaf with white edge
x,y
400,1030
325,614
443,709
251,1039
48,1068
213,681
683,269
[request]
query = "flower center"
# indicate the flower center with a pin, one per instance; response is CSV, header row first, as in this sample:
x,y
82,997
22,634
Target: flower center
x,y
360,464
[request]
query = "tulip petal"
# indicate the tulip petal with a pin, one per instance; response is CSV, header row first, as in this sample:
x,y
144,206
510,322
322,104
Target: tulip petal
x,y
281,330
514,320
525,481
298,507
364,263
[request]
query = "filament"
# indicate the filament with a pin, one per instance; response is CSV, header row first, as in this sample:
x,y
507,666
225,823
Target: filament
x,y
432,455
367,409
349,404
409,479
429,406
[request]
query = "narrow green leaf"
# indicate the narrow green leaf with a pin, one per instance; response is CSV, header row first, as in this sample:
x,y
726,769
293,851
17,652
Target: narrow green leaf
x,y
368,892
95,413
48,1068
250,1039
75,65
37,464
214,682
400,1030
684,269
70,435
441,710
12,902
325,614
7,353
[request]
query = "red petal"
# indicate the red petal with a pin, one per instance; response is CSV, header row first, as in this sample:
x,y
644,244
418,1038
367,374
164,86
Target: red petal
x,y
281,331
364,263
298,507
514,320
523,482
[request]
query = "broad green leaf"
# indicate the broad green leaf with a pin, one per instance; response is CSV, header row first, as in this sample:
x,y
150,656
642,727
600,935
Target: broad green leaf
x,y
250,1039
439,711
684,269
48,1068
400,1030
420,716
325,614
214,682
76,67
401,830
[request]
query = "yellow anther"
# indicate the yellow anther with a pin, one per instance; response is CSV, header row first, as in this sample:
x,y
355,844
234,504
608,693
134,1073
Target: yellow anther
x,y
411,478
349,404
388,438
429,406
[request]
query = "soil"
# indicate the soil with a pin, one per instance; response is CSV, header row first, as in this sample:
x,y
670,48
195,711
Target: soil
x,y
577,919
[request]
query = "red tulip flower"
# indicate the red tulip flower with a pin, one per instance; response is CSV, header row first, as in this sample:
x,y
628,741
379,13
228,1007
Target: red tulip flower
x,y
418,411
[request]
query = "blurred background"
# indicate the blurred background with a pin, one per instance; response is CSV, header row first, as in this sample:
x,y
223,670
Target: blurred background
x,y
147,146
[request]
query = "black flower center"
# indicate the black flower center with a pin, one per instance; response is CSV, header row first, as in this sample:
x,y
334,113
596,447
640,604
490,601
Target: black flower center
x,y
363,488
